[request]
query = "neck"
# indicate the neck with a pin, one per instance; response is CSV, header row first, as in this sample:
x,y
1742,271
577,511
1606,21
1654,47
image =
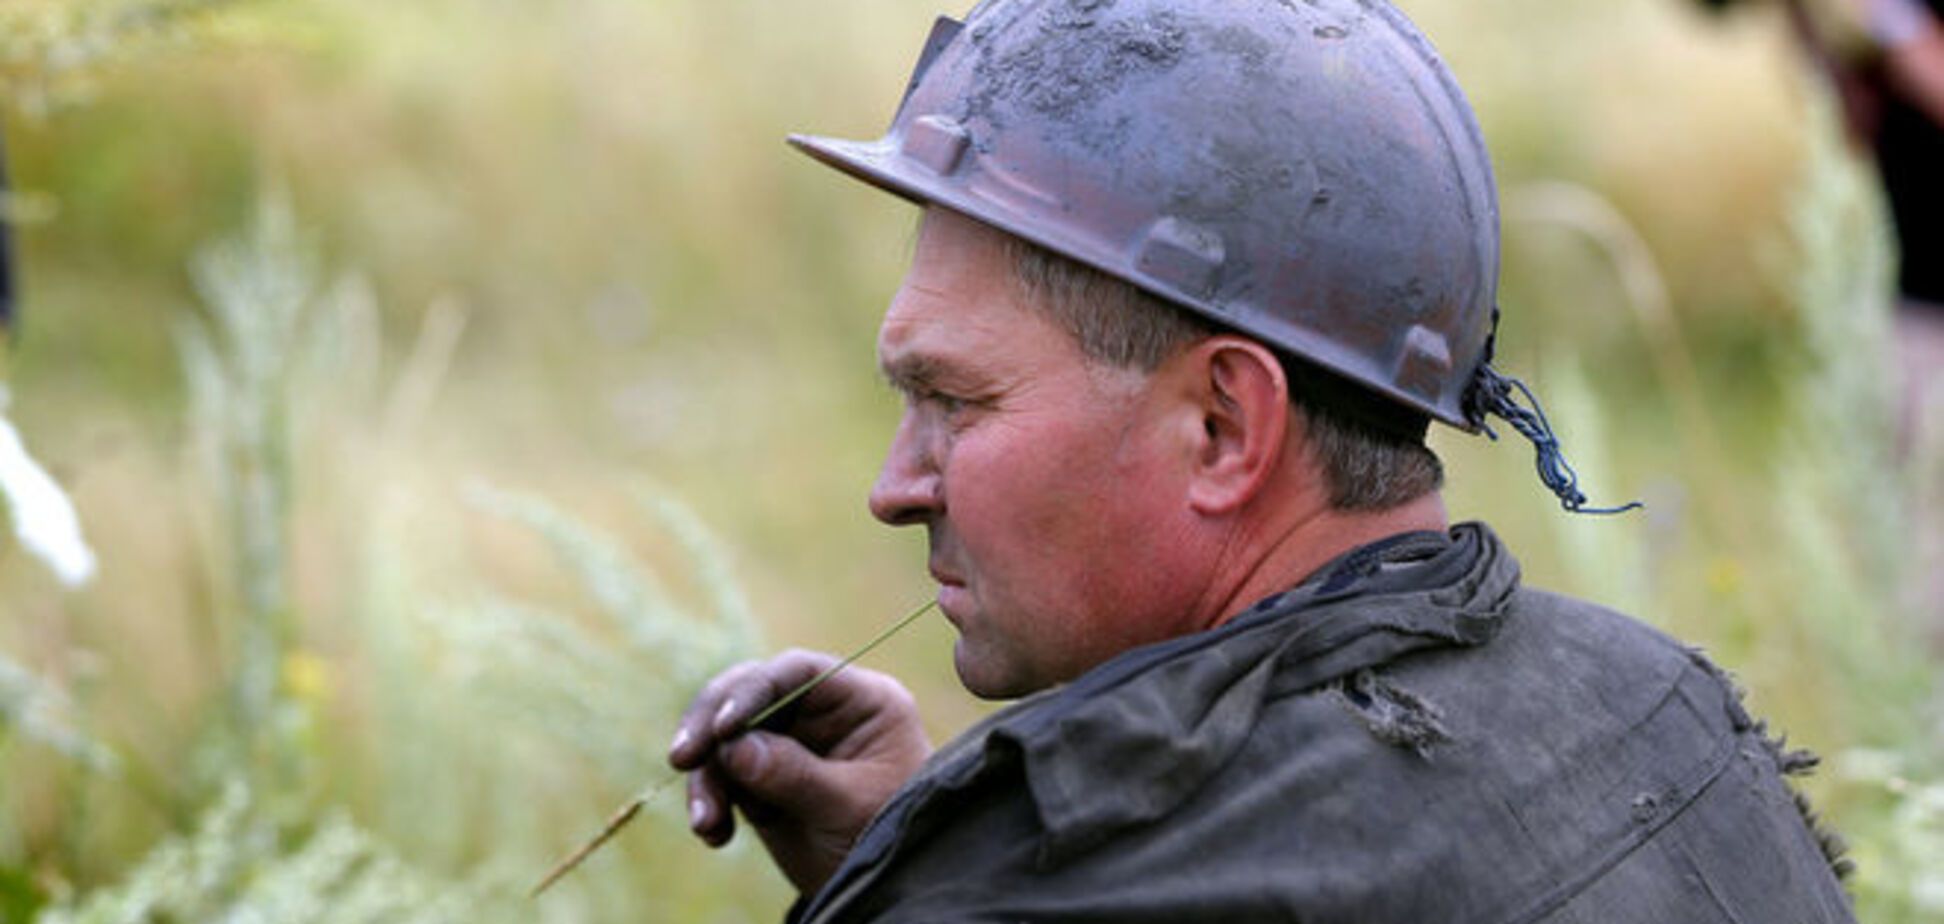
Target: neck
x,y
1291,553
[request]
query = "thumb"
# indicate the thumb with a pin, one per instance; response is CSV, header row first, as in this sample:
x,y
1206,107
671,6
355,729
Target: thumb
x,y
779,770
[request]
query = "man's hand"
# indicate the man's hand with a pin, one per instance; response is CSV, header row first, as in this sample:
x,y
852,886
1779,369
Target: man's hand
x,y
814,775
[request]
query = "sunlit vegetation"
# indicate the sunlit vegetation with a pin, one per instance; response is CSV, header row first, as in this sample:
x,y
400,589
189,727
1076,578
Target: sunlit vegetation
x,y
445,388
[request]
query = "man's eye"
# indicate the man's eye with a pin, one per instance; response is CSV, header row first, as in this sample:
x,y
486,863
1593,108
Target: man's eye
x,y
949,404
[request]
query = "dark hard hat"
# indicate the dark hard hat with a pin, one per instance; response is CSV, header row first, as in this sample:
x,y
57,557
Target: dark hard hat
x,y
1303,171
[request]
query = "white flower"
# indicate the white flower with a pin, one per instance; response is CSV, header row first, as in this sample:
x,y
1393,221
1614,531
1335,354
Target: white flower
x,y
43,517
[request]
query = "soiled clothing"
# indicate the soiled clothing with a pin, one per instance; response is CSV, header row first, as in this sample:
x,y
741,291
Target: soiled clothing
x,y
1409,736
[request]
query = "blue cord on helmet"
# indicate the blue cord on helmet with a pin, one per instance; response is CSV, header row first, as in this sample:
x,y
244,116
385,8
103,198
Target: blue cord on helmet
x,y
1498,395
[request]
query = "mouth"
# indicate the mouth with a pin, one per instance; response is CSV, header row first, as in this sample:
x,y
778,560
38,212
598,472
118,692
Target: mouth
x,y
946,578
951,593
941,571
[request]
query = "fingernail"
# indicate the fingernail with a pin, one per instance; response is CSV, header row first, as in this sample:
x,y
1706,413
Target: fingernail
x,y
681,738
698,813
722,715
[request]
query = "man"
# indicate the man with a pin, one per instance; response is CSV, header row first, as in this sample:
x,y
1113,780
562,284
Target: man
x,y
1191,281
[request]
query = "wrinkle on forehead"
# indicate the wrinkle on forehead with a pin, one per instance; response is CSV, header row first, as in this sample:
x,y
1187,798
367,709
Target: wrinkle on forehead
x,y
961,320
954,353
957,305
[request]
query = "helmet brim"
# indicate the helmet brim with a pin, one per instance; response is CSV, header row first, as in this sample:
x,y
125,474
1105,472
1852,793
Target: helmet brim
x,y
880,163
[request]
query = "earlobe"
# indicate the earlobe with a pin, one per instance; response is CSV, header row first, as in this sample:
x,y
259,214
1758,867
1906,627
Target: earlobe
x,y
1245,420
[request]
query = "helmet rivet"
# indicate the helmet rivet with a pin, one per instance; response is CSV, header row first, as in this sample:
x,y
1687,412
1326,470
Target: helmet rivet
x,y
1425,362
1182,254
936,143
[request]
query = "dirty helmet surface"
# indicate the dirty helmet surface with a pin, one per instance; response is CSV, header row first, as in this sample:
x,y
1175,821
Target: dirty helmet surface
x,y
1303,171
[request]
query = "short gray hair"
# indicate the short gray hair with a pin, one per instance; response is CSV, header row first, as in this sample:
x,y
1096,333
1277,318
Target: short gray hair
x,y
1364,448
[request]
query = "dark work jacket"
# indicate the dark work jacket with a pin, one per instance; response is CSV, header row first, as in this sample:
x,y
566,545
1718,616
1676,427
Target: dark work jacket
x,y
1409,737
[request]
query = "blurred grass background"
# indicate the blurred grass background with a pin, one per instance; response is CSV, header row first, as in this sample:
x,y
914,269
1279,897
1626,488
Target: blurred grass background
x,y
446,387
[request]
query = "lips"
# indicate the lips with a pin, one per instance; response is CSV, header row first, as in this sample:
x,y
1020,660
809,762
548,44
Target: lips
x,y
952,597
946,577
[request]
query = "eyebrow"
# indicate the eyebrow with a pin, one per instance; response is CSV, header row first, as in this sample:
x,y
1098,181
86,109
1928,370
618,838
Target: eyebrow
x,y
912,374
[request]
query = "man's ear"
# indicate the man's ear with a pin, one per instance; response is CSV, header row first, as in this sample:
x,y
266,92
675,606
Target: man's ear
x,y
1244,405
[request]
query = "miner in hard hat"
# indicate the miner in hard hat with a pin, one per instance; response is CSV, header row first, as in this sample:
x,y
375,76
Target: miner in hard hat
x,y
1192,280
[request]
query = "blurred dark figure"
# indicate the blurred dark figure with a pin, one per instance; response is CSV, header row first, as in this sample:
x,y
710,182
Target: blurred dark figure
x,y
1891,78
1906,83
1886,61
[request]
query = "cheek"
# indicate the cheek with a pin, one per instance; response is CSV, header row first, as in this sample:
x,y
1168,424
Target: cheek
x,y
1049,504
1070,543
1051,467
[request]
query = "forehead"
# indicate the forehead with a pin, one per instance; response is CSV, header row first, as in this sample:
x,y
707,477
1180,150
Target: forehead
x,y
959,302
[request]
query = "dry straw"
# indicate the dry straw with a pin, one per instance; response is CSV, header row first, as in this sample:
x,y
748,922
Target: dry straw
x,y
632,808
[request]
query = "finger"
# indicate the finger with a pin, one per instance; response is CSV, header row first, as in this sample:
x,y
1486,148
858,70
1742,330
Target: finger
x,y
729,700
779,772
748,694
685,750
694,738
709,811
859,704
831,702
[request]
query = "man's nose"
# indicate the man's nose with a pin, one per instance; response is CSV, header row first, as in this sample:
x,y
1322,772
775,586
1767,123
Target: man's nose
x,y
909,489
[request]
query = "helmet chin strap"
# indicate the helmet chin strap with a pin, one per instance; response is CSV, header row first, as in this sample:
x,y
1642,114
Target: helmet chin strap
x,y
1499,396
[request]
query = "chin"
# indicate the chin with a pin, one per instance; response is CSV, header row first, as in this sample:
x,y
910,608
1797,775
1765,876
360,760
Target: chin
x,y
984,678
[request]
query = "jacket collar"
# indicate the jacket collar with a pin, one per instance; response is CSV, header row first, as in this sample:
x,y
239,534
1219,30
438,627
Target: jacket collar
x,y
1130,740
